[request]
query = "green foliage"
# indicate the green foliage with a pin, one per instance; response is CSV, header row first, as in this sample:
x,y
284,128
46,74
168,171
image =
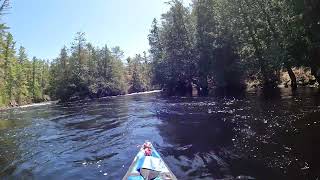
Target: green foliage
x,y
211,44
21,81
193,47
140,74
172,48
219,43
88,72
8,67
96,72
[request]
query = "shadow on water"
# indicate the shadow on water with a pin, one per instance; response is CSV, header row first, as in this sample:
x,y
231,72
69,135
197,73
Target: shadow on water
x,y
256,135
203,139
198,140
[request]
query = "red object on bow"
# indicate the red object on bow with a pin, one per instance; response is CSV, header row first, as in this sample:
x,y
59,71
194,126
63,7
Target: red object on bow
x,y
147,152
147,149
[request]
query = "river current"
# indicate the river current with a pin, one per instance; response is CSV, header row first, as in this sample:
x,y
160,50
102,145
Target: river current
x,y
274,136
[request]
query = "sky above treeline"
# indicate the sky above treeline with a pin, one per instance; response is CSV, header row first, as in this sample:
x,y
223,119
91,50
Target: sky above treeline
x,y
43,27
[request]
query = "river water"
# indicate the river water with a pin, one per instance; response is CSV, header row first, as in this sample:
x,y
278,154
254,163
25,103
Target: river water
x,y
256,135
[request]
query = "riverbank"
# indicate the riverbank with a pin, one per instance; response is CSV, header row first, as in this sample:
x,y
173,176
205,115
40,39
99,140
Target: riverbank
x,y
146,92
57,101
30,105
303,76
121,95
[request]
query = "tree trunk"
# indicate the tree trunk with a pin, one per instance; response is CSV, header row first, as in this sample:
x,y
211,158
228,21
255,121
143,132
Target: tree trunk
x,y
292,77
315,72
315,66
203,86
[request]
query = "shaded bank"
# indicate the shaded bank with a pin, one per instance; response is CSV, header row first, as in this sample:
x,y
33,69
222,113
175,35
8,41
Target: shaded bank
x,y
76,100
221,45
263,134
30,105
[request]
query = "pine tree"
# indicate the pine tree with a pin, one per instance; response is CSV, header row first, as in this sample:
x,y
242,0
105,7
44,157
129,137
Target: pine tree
x,y
206,30
157,54
78,65
136,83
9,71
35,87
177,40
22,83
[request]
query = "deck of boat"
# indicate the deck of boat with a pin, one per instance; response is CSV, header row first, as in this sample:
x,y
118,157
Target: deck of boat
x,y
133,174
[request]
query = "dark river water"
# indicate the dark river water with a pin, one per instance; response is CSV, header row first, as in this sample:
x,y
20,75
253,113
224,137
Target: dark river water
x,y
260,136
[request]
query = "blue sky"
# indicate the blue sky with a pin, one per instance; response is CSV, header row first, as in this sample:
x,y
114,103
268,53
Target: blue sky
x,y
44,26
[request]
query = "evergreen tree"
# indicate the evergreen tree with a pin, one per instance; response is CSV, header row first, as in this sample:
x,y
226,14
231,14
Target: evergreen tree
x,y
136,83
88,72
179,59
35,87
78,58
159,67
22,83
9,71
205,36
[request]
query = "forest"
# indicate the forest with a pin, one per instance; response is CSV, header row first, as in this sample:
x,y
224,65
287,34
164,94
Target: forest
x,y
85,71
225,44
208,45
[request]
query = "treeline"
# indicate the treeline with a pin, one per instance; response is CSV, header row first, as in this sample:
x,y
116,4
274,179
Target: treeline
x,y
85,71
22,81
81,71
224,43
211,44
